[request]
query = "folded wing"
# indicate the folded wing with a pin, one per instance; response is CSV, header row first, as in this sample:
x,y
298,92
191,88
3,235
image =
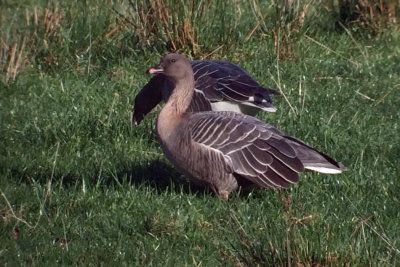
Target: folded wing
x,y
257,151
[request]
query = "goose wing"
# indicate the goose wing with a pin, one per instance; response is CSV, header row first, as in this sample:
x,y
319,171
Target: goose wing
x,y
254,150
225,81
150,96
257,151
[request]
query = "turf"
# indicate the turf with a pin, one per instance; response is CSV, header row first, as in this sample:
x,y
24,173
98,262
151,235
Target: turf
x,y
81,186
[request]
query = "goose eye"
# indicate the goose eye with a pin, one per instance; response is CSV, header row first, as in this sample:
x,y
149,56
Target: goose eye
x,y
173,60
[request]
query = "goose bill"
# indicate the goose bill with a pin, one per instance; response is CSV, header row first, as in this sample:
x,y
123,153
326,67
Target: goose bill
x,y
155,70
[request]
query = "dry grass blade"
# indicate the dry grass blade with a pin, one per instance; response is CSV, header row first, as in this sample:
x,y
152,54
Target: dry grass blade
x,y
14,61
212,52
363,51
365,96
250,33
302,15
111,32
278,84
13,213
11,60
44,200
363,223
333,51
18,60
380,100
51,21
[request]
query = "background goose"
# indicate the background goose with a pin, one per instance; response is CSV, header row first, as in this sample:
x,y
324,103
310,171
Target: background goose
x,y
219,86
224,150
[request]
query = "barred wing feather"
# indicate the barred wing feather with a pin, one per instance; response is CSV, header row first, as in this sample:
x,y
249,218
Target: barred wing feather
x,y
257,151
254,151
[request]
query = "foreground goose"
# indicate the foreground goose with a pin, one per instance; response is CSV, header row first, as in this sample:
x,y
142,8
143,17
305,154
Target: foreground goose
x,y
219,86
223,150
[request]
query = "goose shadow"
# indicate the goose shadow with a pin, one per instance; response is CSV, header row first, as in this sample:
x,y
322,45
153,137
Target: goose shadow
x,y
160,176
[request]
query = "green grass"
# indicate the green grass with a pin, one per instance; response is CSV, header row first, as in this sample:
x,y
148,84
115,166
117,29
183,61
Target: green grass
x,y
81,186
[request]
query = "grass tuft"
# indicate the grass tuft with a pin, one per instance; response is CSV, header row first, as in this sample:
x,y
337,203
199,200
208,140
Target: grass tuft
x,y
373,16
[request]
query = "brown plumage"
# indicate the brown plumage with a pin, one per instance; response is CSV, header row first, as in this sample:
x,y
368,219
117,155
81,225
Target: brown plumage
x,y
223,150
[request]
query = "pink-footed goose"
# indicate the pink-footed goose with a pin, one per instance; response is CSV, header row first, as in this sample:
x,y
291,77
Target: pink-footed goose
x,y
219,85
223,150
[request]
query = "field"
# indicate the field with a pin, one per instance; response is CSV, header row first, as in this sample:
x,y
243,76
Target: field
x,y
80,185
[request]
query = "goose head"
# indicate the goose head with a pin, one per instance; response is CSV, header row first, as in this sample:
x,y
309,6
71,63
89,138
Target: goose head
x,y
174,66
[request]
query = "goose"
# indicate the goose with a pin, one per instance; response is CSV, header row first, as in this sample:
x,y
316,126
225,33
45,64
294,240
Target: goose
x,y
219,85
223,150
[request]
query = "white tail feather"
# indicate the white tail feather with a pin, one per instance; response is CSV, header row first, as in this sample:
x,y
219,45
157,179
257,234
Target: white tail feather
x,y
323,170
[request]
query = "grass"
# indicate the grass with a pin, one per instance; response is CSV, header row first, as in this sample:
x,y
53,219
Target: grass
x,y
81,186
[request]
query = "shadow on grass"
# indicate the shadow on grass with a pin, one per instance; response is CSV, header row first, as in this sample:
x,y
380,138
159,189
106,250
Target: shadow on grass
x,y
164,177
161,177
156,174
